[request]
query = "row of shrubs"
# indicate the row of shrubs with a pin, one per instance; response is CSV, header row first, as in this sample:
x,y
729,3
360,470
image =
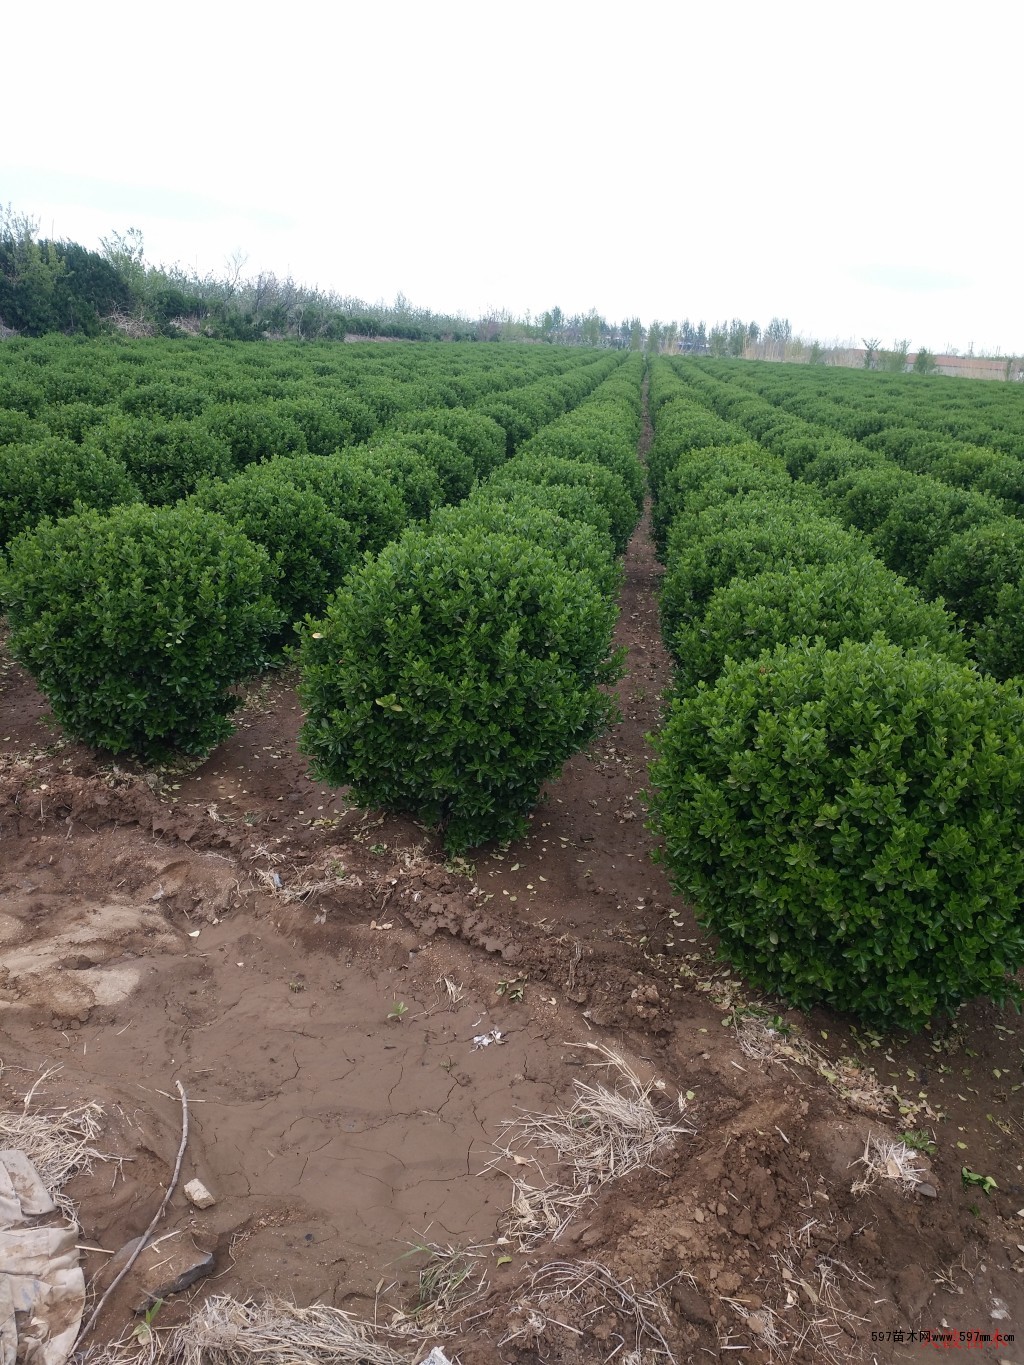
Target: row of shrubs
x,y
455,672
135,621
186,378
102,457
988,417
909,429
953,543
839,790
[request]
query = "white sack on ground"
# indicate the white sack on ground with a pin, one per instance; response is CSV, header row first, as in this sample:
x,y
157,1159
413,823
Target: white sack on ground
x,y
42,1287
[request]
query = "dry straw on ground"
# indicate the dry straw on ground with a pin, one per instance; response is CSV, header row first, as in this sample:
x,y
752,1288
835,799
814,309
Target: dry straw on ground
x,y
569,1295
800,1313
58,1141
224,1331
887,1158
605,1134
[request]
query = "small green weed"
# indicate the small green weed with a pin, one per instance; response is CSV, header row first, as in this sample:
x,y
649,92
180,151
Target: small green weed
x,y
920,1140
984,1182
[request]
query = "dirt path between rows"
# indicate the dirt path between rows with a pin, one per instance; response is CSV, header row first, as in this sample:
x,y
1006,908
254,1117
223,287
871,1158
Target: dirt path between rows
x,y
315,976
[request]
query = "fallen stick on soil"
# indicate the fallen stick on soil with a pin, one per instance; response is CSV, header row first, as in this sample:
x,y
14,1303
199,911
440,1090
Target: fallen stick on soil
x,y
149,1231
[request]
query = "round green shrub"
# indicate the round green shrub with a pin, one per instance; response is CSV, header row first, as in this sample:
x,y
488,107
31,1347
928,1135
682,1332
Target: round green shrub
x,y
453,468
416,479
970,569
329,425
254,431
541,471
311,547
740,539
998,640
908,516
709,475
74,421
578,436
513,422
166,459
477,436
850,823
135,624
574,504
851,600
48,478
361,495
17,428
453,675
572,542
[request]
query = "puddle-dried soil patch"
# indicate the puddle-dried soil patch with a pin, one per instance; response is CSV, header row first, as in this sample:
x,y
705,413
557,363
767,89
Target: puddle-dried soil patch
x,y
315,975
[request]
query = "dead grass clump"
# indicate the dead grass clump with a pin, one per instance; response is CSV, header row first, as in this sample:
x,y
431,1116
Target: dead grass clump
x,y
808,1312
605,1134
769,1040
130,326
582,1291
58,1142
887,1158
306,883
224,1331
451,1278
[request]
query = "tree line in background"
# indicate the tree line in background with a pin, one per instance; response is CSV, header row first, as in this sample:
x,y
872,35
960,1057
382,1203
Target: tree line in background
x,y
61,286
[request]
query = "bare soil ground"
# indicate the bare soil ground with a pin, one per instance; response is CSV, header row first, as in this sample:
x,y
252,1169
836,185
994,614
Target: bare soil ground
x,y
315,976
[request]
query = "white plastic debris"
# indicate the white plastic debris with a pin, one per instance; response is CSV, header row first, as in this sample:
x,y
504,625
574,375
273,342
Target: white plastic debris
x,y
40,1278
437,1357
485,1040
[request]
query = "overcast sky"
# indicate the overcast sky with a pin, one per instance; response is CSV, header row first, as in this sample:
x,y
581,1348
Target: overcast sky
x,y
855,167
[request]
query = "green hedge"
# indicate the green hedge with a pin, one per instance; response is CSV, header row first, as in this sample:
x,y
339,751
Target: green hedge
x,y
50,477
310,546
135,623
604,484
743,538
167,459
854,599
453,675
850,823
353,490
479,437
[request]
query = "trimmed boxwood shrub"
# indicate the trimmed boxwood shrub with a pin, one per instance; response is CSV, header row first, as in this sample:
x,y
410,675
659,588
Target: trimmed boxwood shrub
x,y
908,516
850,823
852,600
516,426
166,459
363,496
743,538
477,436
329,424
574,504
971,568
48,478
539,471
254,431
73,420
453,675
135,623
579,436
416,479
453,468
573,542
17,428
701,478
311,547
